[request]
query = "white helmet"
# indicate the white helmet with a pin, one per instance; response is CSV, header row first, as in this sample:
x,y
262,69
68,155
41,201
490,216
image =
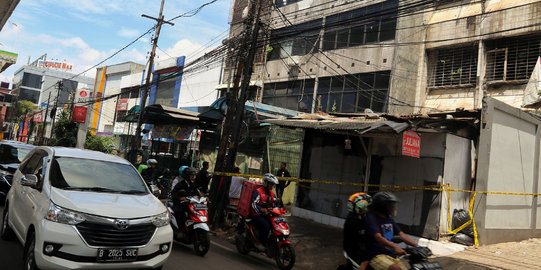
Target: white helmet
x,y
269,178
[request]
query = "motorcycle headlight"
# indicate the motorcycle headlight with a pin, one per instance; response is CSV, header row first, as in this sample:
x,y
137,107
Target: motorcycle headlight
x,y
203,219
61,215
161,220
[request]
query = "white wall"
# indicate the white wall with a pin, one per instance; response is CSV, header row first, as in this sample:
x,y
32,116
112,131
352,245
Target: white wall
x,y
199,88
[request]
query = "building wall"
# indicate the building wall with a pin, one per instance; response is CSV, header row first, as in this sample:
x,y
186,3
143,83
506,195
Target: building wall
x,y
104,112
508,162
481,26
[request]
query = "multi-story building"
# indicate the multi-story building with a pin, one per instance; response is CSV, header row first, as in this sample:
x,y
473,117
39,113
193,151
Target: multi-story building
x,y
454,53
35,81
394,56
108,82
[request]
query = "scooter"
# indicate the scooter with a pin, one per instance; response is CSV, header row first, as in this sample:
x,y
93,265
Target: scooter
x,y
195,230
278,247
417,259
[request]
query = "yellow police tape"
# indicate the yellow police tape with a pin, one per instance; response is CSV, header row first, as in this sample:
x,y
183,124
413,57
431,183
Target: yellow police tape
x,y
443,188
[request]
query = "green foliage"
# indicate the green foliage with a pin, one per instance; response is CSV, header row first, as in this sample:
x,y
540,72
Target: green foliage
x,y
65,131
23,107
104,144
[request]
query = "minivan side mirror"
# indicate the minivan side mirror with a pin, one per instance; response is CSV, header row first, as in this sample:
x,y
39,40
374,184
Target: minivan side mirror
x,y
30,180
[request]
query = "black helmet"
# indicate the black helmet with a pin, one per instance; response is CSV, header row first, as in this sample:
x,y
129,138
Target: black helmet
x,y
189,171
385,203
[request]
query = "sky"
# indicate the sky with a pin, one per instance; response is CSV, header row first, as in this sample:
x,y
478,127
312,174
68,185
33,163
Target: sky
x,y
85,32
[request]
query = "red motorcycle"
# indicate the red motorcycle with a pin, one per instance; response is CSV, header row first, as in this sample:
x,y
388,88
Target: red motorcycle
x,y
195,229
278,247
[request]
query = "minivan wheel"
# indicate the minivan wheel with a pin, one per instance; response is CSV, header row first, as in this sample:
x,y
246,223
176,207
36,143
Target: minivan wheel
x,y
29,256
5,231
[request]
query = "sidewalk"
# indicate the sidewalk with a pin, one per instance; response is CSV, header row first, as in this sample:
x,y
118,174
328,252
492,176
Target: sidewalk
x,y
319,246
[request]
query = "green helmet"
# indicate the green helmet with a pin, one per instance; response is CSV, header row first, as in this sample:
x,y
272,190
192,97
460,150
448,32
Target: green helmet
x,y
358,203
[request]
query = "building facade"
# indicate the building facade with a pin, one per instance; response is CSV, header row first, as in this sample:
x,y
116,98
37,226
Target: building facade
x,y
460,52
108,83
35,81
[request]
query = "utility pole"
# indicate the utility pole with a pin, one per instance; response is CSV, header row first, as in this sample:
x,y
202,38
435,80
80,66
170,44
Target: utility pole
x,y
136,142
233,118
60,87
45,120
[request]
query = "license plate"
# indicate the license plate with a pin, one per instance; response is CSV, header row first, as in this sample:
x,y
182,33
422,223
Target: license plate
x,y
117,254
200,206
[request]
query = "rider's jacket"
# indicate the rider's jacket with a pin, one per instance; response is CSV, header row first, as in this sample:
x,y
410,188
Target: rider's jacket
x,y
262,199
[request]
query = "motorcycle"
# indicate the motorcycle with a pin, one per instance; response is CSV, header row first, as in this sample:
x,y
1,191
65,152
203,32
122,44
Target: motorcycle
x,y
163,183
195,230
417,259
278,247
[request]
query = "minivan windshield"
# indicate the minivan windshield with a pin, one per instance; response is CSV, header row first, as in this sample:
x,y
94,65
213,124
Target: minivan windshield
x,y
95,175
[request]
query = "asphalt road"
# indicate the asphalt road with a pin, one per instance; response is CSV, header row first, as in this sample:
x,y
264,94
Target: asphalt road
x,y
222,255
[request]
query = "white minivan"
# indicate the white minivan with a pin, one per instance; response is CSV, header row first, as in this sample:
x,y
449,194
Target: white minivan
x,y
79,209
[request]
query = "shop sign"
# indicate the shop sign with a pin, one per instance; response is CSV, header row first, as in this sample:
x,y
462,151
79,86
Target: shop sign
x,y
411,144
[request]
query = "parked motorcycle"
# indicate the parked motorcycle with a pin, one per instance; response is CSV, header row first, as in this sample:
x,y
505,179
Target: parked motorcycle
x,y
417,259
195,230
278,247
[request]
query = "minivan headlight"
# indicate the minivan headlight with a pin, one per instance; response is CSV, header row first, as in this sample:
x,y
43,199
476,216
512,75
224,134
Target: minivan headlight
x,y
61,215
161,219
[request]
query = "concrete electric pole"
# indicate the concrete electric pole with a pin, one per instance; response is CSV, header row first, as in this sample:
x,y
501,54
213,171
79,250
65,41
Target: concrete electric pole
x,y
235,110
136,142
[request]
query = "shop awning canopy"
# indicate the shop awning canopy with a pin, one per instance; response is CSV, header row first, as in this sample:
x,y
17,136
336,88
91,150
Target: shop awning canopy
x,y
162,115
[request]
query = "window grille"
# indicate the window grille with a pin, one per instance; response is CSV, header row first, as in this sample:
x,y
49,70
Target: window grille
x,y
496,64
512,59
453,66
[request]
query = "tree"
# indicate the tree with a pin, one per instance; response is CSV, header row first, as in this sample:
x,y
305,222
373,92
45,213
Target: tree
x,y
22,108
104,144
65,131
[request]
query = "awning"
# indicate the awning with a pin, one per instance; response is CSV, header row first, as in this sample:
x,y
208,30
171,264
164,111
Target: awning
x,y
161,114
359,125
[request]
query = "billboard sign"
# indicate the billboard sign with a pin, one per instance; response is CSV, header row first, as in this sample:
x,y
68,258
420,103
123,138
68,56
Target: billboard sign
x,y
55,65
79,114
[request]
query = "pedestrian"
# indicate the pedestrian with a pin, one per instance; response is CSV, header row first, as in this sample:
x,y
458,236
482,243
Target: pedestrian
x,y
203,178
282,184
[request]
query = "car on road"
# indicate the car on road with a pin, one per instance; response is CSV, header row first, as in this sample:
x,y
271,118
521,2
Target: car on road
x,y
11,155
75,209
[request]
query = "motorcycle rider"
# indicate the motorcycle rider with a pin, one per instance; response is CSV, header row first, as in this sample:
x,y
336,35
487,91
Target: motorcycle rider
x,y
262,199
151,172
179,177
185,188
355,228
380,229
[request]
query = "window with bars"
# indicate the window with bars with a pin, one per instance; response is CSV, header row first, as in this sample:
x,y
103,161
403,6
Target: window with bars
x,y
344,93
453,66
512,59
